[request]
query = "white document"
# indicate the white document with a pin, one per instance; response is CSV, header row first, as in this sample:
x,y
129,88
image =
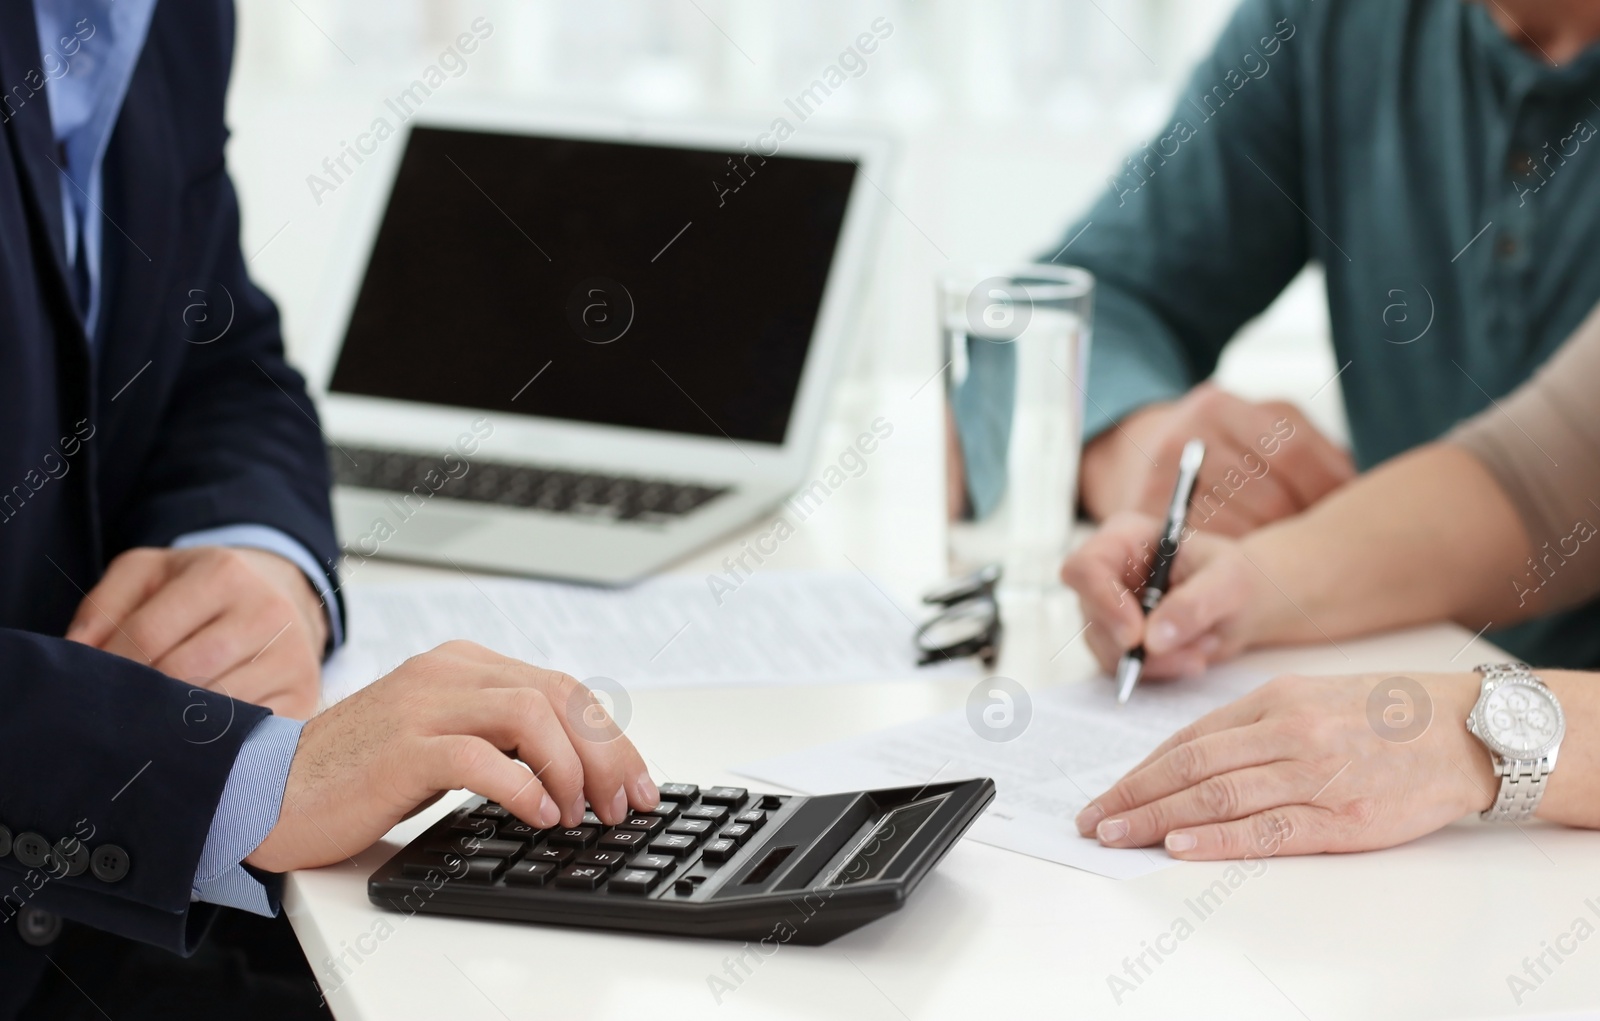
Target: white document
x,y
778,627
1077,743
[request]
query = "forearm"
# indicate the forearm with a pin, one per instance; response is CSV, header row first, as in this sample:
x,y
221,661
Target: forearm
x,y
1572,794
1165,240
1426,537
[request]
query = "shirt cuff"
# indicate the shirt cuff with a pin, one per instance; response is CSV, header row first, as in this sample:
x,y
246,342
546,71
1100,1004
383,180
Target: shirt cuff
x,y
251,801
264,537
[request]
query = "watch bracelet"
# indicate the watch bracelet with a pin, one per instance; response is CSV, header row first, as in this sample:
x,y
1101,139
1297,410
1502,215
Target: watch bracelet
x,y
1521,780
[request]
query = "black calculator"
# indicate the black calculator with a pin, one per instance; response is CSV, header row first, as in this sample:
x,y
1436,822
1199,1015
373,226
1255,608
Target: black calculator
x,y
718,862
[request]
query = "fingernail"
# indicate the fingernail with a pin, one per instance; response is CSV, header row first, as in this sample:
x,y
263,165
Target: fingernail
x,y
549,814
1163,636
619,805
1111,829
1181,842
1089,818
577,809
645,790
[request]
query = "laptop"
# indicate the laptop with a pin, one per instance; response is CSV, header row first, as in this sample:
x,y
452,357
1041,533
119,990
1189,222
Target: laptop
x,y
581,349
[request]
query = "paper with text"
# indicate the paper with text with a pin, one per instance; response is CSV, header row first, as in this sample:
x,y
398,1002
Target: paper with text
x,y
777,627
1077,742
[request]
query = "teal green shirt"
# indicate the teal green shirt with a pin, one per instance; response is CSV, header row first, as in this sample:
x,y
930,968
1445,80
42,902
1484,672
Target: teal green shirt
x,y
1447,182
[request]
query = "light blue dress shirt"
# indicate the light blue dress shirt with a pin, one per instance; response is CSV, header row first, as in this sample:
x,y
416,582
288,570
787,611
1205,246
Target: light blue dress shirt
x,y
89,49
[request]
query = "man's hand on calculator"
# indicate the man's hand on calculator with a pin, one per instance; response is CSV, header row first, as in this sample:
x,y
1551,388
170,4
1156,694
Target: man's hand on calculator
x,y
458,716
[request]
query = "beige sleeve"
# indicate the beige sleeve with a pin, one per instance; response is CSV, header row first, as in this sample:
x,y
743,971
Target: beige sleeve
x,y
1542,445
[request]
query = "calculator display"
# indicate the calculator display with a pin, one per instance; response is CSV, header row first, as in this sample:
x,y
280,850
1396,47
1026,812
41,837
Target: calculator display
x,y
878,848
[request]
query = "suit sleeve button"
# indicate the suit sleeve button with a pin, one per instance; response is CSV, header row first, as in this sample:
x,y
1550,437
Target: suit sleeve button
x,y
72,855
5,841
109,863
31,849
38,927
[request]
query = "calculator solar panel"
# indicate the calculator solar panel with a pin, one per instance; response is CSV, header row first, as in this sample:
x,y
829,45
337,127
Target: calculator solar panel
x,y
718,862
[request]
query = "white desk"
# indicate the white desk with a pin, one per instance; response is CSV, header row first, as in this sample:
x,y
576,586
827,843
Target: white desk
x,y
1422,931
1428,930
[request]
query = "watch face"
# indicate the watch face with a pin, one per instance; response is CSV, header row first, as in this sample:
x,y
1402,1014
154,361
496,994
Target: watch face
x,y
1521,721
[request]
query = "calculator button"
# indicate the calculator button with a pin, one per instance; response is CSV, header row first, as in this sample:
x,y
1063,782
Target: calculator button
x,y
608,860
738,833
665,810
578,836
658,862
448,866
490,810
674,844
581,877
721,849
678,791
754,818
685,886
554,855
452,842
635,881
692,827
518,831
484,869
590,819
771,802
477,869
712,813
644,823
624,840
475,825
730,796
471,846
530,873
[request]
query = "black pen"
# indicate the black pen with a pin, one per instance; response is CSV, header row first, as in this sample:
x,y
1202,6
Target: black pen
x,y
1132,663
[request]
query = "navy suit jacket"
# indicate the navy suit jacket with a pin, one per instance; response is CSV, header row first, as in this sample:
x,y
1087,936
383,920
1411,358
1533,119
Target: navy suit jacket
x,y
159,429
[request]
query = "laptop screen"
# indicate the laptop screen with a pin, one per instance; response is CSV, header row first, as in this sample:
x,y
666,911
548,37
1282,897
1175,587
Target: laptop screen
x,y
658,288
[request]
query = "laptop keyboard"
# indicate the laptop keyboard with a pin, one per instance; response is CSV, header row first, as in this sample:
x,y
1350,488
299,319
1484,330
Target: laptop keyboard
x,y
556,490
489,845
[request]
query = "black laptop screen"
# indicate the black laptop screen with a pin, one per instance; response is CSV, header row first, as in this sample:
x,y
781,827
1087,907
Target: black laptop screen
x,y
635,285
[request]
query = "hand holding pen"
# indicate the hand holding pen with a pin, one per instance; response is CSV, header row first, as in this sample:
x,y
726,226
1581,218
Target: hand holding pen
x,y
1132,664
1214,600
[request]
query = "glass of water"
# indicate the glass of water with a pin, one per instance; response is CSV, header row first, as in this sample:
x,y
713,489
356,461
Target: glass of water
x,y
1016,348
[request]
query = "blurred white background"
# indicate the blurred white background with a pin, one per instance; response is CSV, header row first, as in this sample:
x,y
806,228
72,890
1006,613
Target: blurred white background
x,y
1009,116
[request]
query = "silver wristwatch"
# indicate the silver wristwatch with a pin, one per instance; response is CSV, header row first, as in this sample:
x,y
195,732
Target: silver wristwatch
x,y
1519,720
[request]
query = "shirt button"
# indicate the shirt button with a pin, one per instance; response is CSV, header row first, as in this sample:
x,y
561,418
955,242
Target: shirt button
x,y
109,863
1507,247
1520,163
31,849
38,927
